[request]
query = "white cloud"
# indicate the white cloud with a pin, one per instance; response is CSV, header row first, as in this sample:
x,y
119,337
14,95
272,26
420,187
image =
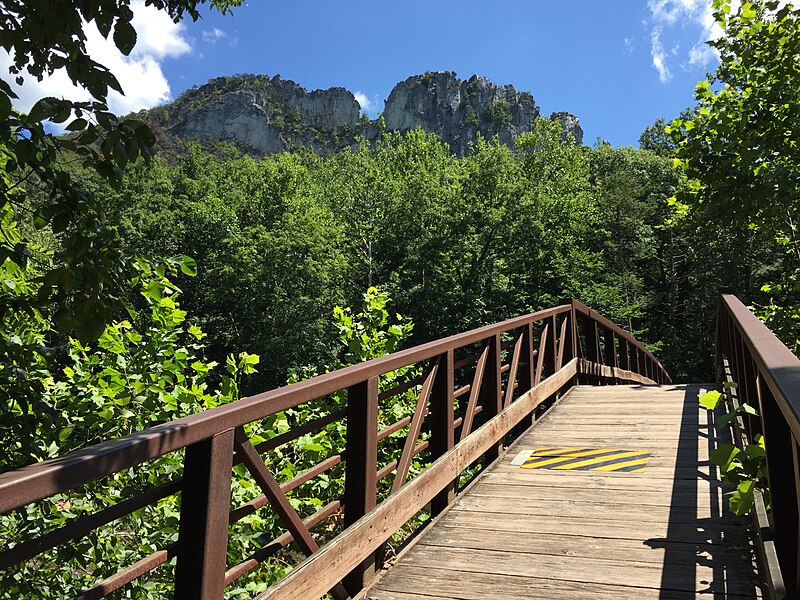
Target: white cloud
x,y
212,36
364,102
659,56
139,74
628,45
668,16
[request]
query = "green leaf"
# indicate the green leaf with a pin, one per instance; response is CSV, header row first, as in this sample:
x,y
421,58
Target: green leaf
x,y
64,433
188,265
710,399
77,125
725,420
724,454
124,37
747,409
196,332
741,503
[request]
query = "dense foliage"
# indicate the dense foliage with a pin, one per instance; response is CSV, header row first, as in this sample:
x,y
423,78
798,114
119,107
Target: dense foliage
x,y
739,149
457,242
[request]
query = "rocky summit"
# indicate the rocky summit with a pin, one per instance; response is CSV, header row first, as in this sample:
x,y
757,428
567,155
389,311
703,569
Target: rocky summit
x,y
262,115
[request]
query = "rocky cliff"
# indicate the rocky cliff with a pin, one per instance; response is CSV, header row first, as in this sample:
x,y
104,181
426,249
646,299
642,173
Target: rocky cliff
x,y
263,115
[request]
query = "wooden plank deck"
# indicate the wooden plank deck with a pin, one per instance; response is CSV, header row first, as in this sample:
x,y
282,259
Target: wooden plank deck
x,y
524,533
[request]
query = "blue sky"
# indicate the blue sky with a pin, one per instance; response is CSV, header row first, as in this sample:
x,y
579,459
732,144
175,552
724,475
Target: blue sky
x,y
616,64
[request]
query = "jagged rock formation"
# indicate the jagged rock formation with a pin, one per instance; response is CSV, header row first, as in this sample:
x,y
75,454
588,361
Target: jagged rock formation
x,y
263,115
458,110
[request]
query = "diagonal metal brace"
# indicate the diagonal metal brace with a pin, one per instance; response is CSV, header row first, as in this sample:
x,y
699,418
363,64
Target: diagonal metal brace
x,y
285,511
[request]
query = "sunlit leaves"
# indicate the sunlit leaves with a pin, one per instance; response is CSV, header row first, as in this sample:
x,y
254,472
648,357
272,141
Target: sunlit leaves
x,y
710,399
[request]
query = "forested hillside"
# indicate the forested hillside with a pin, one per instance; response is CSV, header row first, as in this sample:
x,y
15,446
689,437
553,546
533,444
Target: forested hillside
x,y
456,242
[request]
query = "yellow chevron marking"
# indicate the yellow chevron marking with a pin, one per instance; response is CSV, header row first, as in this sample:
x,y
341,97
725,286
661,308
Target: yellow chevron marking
x,y
622,465
601,459
532,463
554,451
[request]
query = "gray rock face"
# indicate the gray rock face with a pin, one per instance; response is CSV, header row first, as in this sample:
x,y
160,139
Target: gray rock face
x,y
265,115
457,111
570,125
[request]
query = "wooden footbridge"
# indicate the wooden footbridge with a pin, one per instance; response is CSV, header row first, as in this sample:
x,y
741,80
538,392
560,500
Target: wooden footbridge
x,y
553,453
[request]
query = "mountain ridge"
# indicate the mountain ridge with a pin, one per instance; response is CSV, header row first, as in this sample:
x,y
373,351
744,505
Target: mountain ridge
x,y
266,115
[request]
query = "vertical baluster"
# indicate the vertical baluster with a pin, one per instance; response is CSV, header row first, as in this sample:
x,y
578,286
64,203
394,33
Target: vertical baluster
x,y
361,468
442,430
573,328
203,530
638,354
623,354
719,341
610,351
592,345
782,466
738,374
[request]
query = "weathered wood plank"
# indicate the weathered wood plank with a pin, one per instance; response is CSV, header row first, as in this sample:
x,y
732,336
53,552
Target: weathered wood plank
x,y
694,578
549,507
738,556
712,531
641,497
444,584
531,533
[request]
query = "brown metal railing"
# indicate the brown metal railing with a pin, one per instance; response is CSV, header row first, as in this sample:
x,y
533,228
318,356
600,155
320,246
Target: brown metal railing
x,y
504,373
767,377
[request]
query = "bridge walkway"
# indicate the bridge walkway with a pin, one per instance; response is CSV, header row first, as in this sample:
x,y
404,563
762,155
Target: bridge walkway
x,y
521,532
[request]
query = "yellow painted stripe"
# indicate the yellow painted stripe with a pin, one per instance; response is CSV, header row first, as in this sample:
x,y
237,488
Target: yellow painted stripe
x,y
622,465
580,454
552,451
601,459
546,462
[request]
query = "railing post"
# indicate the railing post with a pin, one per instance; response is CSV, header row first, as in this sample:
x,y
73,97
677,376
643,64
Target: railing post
x,y
493,391
205,508
573,348
361,468
442,430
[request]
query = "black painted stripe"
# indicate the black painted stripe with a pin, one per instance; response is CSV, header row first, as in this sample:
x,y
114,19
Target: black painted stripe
x,y
569,459
615,461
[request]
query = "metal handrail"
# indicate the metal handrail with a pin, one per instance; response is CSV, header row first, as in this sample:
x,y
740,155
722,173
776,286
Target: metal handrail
x,y
574,344
767,377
